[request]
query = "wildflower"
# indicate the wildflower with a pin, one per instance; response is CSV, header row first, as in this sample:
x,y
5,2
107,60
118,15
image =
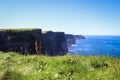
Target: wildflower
x,y
33,57
56,75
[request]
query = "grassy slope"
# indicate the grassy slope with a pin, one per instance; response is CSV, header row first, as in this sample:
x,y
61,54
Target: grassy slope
x,y
70,67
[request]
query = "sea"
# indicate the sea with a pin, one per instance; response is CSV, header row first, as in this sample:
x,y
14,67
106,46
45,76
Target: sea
x,y
97,46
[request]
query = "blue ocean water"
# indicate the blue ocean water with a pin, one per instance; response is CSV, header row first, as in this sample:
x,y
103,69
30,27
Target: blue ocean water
x,y
98,46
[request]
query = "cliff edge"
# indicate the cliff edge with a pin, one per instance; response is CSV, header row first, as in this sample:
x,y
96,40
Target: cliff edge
x,y
33,42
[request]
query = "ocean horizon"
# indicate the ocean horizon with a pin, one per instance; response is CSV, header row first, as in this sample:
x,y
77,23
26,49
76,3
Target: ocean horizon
x,y
97,45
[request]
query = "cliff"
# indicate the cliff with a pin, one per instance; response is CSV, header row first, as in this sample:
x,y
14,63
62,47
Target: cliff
x,y
33,42
70,39
22,41
54,43
79,37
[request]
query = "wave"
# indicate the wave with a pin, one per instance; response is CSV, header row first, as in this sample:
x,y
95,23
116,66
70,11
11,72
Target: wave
x,y
73,45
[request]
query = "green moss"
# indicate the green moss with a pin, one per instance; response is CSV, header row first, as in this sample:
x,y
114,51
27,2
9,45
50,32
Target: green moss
x,y
19,29
68,67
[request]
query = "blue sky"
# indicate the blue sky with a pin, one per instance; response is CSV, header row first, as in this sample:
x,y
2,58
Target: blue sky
x,y
87,17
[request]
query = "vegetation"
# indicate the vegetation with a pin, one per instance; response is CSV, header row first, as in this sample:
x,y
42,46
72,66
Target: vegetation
x,y
19,29
45,32
70,67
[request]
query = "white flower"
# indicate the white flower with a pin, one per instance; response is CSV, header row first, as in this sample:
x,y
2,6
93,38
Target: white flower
x,y
56,75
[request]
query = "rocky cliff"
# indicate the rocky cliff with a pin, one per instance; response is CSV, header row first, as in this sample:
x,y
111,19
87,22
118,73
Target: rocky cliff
x,y
54,43
33,42
79,37
70,39
22,41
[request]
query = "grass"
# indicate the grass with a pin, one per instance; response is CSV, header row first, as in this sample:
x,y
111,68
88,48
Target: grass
x,y
70,67
45,32
19,29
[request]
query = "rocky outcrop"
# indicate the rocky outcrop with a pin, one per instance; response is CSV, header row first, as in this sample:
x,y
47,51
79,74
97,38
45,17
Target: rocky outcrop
x,y
79,37
54,43
70,39
33,42
25,42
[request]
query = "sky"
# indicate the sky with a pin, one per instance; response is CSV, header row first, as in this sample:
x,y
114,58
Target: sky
x,y
86,17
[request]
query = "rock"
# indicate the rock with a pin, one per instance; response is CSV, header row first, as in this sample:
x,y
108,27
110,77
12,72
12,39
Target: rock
x,y
79,37
70,39
54,43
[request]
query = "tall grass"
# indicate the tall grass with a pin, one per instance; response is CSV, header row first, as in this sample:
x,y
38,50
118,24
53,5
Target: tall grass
x,y
70,67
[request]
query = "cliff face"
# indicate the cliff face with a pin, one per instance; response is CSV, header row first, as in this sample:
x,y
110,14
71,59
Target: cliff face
x,y
70,39
25,42
54,43
33,42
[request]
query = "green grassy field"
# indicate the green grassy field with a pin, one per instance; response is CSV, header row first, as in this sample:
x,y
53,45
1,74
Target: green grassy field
x,y
70,67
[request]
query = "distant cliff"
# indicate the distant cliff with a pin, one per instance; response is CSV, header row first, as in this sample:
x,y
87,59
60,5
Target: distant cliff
x,y
71,39
33,42
79,37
